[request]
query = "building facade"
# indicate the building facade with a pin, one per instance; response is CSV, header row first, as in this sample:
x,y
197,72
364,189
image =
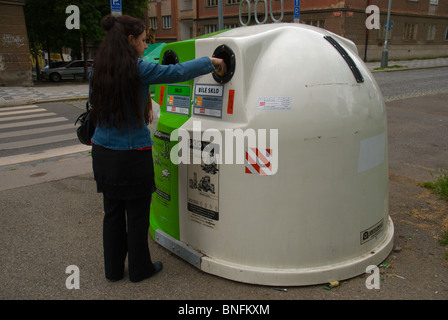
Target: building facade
x,y
15,59
419,27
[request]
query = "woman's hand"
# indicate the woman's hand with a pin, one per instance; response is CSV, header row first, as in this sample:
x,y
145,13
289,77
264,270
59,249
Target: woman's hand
x,y
151,115
219,65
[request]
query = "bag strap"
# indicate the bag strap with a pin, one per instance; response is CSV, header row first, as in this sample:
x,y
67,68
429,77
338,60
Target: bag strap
x,y
88,105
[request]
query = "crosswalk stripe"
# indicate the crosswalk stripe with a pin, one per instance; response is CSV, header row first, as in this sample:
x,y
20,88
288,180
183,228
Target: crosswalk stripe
x,y
37,142
17,119
29,132
32,122
28,157
28,116
17,108
8,113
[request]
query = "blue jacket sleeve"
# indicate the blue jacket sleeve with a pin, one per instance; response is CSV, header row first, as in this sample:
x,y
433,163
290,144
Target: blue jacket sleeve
x,y
154,73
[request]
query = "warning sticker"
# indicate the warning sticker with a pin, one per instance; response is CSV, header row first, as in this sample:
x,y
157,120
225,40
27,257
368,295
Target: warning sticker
x,y
230,101
178,99
203,183
274,103
258,161
208,100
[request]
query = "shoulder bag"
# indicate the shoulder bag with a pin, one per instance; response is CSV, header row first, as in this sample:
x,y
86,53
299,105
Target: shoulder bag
x,y
86,130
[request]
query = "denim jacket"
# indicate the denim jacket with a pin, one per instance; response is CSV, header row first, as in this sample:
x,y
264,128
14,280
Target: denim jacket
x,y
132,135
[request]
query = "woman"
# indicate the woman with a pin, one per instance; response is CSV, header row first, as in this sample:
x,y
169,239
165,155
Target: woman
x,y
121,152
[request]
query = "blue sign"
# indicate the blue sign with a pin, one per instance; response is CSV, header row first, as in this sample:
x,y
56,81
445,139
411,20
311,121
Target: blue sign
x,y
296,9
391,25
115,5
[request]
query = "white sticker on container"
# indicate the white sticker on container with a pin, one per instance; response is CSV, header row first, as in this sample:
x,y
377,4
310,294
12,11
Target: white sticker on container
x,y
274,103
372,152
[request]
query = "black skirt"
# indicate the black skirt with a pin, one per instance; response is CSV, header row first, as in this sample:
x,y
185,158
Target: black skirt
x,y
123,174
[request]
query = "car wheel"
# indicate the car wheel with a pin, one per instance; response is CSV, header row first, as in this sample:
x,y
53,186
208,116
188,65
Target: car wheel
x,y
55,77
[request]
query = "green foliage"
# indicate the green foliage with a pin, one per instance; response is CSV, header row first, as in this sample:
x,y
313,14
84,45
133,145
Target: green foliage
x,y
439,185
45,21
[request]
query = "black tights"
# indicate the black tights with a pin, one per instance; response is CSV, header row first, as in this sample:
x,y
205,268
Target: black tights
x,y
125,231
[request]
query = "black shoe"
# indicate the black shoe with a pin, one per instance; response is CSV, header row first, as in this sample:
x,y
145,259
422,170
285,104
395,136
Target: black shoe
x,y
114,279
157,267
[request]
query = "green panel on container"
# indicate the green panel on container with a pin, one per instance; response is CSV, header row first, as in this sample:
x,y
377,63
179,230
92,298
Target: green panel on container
x,y
165,201
171,98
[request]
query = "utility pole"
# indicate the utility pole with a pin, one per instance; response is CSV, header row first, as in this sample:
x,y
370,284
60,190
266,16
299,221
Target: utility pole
x,y
220,15
385,55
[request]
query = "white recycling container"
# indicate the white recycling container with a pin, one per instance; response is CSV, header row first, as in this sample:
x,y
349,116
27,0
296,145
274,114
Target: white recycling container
x,y
307,203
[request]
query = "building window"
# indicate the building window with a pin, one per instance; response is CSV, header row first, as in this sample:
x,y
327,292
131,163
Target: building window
x,y
186,5
316,23
434,2
410,31
446,34
231,26
232,1
166,22
210,28
153,23
431,35
211,3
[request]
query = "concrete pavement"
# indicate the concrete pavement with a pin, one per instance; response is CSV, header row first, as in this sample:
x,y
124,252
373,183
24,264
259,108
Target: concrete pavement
x,y
50,221
48,226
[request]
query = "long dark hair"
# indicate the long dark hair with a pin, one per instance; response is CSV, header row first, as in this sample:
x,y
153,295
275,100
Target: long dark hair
x,y
116,89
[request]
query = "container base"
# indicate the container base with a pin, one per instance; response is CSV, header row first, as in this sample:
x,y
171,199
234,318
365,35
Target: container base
x,y
281,277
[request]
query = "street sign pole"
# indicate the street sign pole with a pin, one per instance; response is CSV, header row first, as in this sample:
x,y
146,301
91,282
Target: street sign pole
x,y
296,11
116,7
385,55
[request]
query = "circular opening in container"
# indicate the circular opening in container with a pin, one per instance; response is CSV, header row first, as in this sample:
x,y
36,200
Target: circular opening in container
x,y
225,53
170,57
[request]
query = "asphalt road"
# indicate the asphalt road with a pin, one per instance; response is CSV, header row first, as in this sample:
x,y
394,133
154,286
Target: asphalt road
x,y
412,83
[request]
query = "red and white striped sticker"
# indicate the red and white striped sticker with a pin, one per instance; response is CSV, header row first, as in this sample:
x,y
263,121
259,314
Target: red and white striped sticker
x,y
258,161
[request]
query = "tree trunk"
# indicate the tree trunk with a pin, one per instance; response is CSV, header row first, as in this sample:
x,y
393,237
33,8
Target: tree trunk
x,y
84,50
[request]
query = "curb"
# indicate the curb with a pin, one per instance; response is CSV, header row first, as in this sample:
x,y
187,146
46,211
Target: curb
x,y
32,101
406,68
61,99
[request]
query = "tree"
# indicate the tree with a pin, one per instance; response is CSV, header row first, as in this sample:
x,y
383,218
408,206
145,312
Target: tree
x,y
43,25
45,20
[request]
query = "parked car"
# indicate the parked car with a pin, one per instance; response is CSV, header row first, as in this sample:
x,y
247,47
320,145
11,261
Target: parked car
x,y
56,64
70,71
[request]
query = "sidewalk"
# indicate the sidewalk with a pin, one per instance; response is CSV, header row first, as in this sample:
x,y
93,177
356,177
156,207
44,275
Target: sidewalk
x,y
409,64
43,92
49,91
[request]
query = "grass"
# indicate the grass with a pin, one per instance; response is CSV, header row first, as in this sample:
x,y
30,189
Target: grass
x,y
395,66
440,186
443,240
